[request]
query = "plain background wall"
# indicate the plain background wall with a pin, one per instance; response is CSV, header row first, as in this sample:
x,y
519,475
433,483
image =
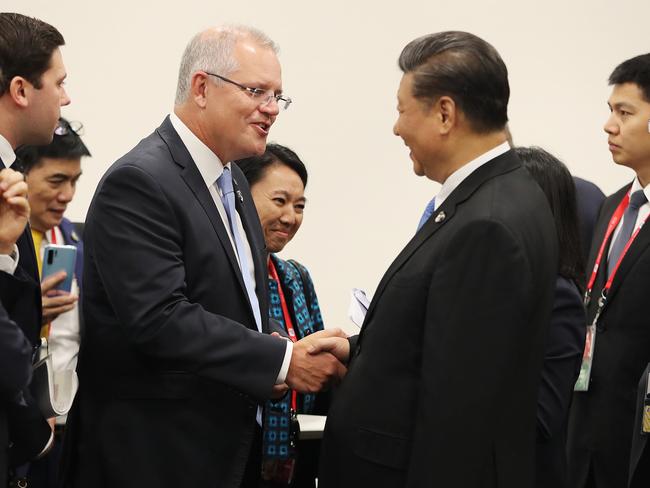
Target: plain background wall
x,y
339,63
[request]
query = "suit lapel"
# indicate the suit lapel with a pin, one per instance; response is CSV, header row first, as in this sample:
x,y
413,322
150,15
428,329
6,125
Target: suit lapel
x,y
248,214
635,251
444,214
196,184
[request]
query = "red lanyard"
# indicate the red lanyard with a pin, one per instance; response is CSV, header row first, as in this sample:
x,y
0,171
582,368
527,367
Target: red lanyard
x,y
287,319
52,236
613,223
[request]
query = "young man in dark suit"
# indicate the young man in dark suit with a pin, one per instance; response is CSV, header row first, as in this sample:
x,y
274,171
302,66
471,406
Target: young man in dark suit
x,y
31,96
442,382
176,358
602,418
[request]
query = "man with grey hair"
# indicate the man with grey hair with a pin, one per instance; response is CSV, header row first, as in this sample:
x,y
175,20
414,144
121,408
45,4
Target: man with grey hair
x,y
176,357
442,382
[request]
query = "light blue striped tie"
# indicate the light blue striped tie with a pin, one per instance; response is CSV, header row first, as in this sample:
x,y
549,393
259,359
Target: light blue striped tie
x,y
224,182
428,212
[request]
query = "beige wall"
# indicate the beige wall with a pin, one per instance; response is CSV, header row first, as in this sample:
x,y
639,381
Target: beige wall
x,y
339,60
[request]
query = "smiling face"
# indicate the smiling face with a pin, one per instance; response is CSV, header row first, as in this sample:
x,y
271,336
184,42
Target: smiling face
x,y
52,184
280,200
628,127
236,124
417,124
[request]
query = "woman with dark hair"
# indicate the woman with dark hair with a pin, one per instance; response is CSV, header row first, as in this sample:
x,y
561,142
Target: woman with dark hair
x,y
278,179
566,334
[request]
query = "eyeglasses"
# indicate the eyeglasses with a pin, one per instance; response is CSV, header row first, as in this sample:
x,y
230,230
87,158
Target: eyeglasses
x,y
263,96
63,128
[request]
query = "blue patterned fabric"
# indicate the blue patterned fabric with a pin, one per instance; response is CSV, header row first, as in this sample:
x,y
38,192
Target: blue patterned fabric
x,y
306,319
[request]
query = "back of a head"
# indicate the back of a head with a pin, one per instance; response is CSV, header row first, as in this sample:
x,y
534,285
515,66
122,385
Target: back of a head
x,y
212,50
26,47
255,167
464,67
556,182
66,144
635,70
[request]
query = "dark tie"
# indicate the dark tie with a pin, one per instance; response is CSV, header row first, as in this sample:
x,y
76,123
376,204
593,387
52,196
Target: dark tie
x,y
224,182
428,212
637,199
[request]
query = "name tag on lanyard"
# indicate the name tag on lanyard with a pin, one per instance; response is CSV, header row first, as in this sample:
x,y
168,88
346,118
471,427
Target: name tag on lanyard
x,y
582,384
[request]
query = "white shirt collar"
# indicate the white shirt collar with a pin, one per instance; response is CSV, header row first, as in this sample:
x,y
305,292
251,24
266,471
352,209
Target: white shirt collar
x,y
208,163
7,153
636,185
457,177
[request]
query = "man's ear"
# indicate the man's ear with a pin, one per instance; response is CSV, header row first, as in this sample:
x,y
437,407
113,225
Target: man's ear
x,y
19,90
448,113
199,88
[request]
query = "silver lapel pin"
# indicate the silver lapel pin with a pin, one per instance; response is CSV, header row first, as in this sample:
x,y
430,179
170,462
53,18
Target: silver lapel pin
x,y
440,217
239,195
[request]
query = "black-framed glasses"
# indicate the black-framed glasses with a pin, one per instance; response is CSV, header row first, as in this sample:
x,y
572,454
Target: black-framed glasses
x,y
263,96
63,128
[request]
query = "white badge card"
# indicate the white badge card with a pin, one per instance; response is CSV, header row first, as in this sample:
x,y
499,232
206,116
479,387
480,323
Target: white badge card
x,y
582,384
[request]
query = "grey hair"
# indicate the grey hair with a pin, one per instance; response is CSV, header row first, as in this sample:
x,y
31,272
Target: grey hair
x,y
212,50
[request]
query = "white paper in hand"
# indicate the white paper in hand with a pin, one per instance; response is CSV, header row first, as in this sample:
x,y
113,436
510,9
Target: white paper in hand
x,y
359,304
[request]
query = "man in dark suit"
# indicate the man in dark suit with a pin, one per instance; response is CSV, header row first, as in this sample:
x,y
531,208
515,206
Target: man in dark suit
x,y
442,382
52,173
602,418
15,349
31,96
176,358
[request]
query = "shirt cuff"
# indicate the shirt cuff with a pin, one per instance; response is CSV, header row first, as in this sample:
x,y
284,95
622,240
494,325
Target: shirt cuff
x,y
9,262
282,376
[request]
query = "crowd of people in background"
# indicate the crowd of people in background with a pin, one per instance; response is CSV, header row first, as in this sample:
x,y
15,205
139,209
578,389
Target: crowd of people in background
x,y
505,346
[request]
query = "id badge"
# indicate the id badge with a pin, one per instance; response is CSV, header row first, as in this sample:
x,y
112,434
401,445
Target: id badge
x,y
582,383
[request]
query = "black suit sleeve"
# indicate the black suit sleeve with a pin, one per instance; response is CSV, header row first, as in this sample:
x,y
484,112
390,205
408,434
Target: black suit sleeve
x,y
477,344
146,286
15,357
562,359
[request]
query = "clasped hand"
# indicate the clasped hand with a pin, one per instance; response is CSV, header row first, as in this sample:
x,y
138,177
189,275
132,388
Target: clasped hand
x,y
318,361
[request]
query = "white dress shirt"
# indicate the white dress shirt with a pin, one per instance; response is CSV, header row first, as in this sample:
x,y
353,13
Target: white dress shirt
x,y
211,169
457,177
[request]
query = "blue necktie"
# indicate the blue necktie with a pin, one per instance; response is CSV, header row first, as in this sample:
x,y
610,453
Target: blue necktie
x,y
224,182
637,199
428,212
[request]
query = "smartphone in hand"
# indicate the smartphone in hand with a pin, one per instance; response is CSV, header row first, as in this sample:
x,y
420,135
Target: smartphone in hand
x,y
57,258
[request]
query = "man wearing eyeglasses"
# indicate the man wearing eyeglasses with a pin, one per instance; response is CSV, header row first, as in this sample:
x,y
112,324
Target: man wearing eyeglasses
x,y
176,358
32,93
52,172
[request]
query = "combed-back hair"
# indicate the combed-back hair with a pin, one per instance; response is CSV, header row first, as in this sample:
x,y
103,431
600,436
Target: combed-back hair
x,y
464,67
212,51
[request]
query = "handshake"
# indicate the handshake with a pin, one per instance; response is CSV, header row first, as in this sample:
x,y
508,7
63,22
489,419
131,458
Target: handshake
x,y
317,361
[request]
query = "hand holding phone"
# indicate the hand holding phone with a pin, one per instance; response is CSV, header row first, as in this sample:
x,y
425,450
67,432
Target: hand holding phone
x,y
58,258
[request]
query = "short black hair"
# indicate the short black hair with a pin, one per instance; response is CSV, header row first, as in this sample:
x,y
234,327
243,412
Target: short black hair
x,y
26,47
66,146
635,70
555,180
464,67
255,167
